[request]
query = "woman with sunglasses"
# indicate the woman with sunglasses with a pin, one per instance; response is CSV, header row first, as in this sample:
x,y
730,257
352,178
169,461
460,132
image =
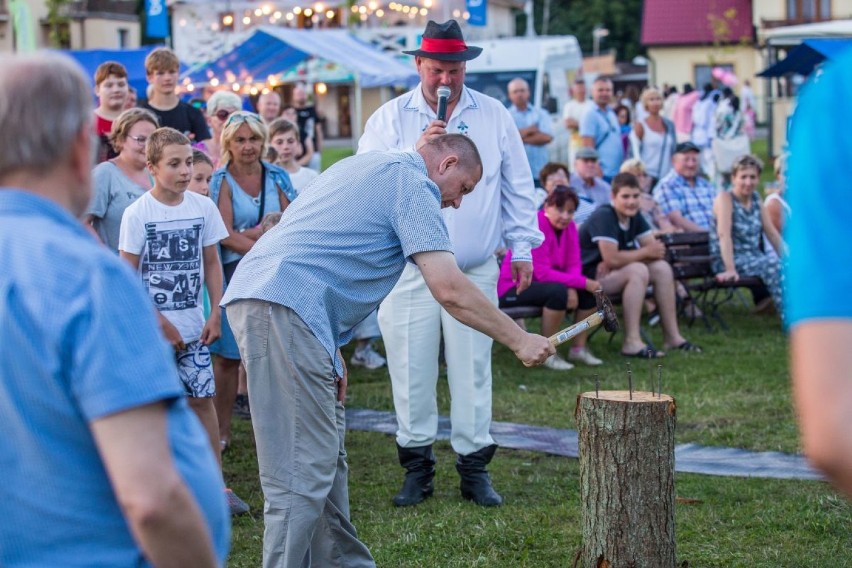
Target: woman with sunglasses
x,y
245,188
556,274
122,180
739,224
220,106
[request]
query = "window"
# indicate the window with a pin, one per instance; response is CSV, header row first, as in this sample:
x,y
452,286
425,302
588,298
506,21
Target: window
x,y
704,74
808,10
123,34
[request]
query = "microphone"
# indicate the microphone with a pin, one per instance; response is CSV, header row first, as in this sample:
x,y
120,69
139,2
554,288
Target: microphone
x,y
444,93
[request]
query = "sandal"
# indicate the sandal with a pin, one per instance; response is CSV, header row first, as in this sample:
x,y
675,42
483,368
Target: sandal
x,y
645,353
688,347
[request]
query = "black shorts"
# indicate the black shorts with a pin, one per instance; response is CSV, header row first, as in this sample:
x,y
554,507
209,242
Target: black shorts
x,y
551,295
586,300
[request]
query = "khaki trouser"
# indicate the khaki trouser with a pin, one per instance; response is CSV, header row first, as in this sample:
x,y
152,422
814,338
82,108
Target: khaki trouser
x,y
299,427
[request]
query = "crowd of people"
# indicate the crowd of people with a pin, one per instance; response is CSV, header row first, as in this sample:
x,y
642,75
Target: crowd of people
x,y
191,200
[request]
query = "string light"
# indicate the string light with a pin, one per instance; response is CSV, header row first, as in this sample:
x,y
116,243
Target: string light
x,y
246,20
308,12
289,17
329,14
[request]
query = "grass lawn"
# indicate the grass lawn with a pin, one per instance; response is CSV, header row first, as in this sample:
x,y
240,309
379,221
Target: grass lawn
x,y
735,394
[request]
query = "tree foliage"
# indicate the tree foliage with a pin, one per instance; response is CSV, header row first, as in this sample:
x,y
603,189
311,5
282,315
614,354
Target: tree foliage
x,y
622,18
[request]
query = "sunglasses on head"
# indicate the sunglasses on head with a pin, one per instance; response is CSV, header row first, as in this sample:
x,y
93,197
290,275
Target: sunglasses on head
x,y
241,116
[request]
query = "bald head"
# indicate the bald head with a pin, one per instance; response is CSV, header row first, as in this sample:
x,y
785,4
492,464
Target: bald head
x,y
454,164
269,106
519,92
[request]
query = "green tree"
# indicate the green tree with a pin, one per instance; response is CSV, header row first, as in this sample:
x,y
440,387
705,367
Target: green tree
x,y
622,18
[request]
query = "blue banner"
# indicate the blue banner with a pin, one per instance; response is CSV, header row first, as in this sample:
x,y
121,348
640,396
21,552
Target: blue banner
x,y
478,12
156,19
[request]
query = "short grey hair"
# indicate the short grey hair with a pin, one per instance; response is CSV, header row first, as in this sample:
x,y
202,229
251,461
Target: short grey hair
x,y
458,144
223,99
45,101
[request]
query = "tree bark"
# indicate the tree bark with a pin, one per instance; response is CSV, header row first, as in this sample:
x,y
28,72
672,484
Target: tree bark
x,y
627,479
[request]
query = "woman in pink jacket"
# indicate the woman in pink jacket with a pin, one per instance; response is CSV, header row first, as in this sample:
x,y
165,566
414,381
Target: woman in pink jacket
x,y
556,274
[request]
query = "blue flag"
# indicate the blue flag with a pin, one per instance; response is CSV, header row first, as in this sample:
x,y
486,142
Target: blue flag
x,y
156,19
478,12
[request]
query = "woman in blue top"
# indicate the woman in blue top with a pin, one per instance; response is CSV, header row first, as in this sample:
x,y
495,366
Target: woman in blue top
x,y
245,189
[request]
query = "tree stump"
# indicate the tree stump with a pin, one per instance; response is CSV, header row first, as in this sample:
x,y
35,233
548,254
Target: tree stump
x,y
627,479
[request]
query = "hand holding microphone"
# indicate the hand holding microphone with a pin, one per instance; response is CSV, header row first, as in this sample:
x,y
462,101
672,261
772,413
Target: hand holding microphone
x,y
444,93
437,127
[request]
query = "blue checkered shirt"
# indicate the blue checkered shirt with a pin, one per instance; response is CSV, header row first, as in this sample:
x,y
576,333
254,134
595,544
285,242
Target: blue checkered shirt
x,y
342,245
695,203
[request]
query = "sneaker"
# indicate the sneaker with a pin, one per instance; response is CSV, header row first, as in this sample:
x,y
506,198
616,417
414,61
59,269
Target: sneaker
x,y
368,358
557,363
236,505
241,407
584,356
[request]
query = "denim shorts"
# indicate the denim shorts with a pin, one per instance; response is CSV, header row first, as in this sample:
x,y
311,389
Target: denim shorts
x,y
195,370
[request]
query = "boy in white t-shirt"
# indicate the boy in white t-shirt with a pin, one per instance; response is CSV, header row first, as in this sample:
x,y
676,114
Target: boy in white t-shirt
x,y
284,139
171,237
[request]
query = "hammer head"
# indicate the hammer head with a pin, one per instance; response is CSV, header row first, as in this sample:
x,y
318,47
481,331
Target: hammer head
x,y
610,320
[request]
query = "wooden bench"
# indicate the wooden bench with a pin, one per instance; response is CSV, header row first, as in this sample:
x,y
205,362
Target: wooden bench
x,y
692,264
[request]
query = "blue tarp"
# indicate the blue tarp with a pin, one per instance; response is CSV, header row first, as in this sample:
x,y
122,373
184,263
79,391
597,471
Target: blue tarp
x,y
804,57
272,50
689,458
132,59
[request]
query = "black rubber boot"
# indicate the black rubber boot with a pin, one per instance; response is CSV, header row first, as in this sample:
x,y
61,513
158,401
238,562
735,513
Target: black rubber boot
x,y
475,481
419,464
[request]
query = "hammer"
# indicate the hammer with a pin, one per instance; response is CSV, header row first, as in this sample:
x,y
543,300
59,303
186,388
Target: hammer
x,y
604,315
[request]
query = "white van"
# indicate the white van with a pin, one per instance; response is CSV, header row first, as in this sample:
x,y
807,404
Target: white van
x,y
548,63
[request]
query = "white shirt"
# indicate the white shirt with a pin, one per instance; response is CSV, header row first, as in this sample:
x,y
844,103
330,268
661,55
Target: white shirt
x,y
576,109
502,204
302,178
170,241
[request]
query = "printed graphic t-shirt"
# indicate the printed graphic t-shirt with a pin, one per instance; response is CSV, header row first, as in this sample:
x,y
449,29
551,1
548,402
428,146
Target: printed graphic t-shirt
x,y
169,240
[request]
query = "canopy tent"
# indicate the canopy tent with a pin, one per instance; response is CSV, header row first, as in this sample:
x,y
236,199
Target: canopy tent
x,y
132,59
272,50
804,57
794,35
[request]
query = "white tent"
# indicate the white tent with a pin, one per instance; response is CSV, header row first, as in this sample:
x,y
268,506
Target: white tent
x,y
794,35
272,50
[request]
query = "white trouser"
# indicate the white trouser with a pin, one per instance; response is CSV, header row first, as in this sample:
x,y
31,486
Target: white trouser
x,y
412,323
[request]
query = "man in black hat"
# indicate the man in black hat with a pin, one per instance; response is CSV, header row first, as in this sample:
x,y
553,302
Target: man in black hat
x,y
501,210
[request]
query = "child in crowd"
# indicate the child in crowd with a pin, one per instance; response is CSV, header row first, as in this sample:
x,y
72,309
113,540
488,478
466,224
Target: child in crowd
x,y
202,173
284,139
112,91
306,151
161,71
132,98
171,237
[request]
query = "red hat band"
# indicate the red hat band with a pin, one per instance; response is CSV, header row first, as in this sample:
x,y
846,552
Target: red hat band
x,y
434,45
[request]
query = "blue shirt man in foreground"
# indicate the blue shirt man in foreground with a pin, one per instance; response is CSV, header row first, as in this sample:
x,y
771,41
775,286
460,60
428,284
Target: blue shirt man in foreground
x,y
817,303
293,301
102,463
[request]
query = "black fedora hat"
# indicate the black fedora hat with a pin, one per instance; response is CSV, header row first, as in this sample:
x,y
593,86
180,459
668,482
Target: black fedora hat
x,y
445,43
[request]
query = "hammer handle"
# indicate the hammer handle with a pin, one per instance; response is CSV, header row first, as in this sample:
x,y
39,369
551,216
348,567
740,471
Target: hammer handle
x,y
573,331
